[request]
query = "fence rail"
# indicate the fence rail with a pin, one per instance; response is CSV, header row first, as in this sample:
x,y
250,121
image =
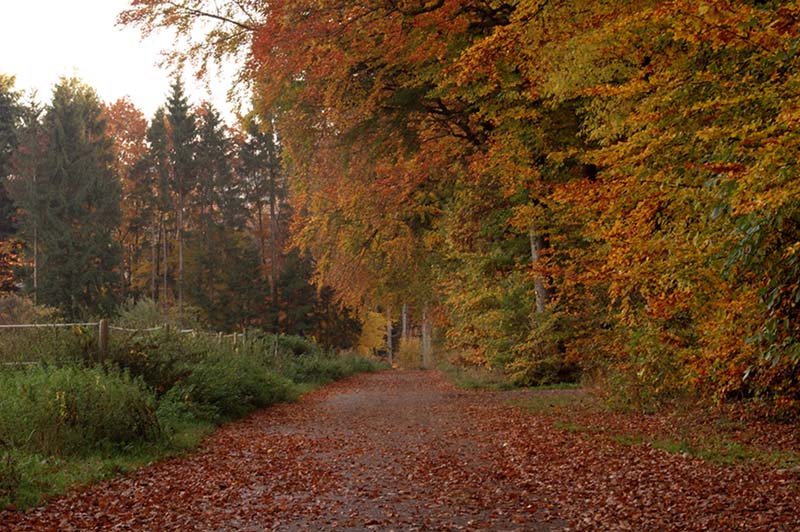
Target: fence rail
x,y
49,325
104,330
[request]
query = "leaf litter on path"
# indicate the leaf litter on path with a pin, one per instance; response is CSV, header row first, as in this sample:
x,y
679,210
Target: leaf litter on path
x,y
405,451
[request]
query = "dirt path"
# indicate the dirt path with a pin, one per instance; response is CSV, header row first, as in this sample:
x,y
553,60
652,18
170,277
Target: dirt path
x,y
404,451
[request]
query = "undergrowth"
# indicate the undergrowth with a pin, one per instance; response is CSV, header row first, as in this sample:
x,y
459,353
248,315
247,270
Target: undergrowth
x,y
70,420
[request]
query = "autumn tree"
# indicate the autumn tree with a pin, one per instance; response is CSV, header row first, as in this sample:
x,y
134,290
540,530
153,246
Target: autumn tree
x,y
127,127
610,185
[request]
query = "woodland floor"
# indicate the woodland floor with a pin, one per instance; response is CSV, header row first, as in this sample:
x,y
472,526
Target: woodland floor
x,y
405,451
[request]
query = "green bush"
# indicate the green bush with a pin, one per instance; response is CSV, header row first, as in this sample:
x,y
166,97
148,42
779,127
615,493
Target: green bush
x,y
146,313
222,388
287,345
161,358
73,409
322,369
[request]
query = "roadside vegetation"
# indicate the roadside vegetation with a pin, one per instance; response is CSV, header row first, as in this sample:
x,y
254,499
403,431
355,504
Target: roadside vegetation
x,y
68,418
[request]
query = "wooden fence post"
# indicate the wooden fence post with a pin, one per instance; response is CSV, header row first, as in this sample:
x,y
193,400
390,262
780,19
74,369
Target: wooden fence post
x,y
102,340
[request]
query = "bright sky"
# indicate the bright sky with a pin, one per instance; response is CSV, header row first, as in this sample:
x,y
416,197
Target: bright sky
x,y
42,40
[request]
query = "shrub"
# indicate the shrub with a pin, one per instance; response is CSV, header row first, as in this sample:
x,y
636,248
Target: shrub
x,y
16,310
322,369
221,388
146,313
71,409
160,358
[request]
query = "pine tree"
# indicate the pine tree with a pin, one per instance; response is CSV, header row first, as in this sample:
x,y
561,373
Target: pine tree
x,y
75,203
10,115
182,133
266,189
222,269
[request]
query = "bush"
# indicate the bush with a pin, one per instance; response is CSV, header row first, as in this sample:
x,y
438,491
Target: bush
x,y
297,346
227,388
72,409
160,358
15,310
323,369
146,313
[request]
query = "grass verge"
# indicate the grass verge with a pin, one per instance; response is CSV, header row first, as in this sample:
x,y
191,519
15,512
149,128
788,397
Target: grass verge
x,y
67,426
689,430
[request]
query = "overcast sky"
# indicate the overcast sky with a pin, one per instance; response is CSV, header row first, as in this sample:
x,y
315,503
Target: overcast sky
x,y
42,40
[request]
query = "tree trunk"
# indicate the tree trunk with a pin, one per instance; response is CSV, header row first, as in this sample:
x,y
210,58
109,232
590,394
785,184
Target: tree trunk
x,y
273,240
389,350
153,263
262,241
35,263
538,243
165,297
180,254
404,330
427,340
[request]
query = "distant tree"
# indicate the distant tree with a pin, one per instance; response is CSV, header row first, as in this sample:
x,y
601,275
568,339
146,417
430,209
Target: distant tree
x,y
266,192
307,311
182,136
222,275
73,206
127,127
156,165
10,116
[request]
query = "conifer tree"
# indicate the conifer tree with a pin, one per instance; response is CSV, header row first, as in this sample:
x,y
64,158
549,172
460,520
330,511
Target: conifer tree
x,y
75,204
182,133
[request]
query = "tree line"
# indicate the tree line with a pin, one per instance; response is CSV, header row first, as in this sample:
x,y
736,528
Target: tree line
x,y
610,186
101,206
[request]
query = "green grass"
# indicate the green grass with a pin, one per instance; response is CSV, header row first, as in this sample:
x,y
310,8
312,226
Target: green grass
x,y
720,450
479,378
549,404
713,442
475,378
28,479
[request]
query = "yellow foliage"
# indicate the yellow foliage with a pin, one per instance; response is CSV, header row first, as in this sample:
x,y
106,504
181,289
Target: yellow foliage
x,y
409,355
373,333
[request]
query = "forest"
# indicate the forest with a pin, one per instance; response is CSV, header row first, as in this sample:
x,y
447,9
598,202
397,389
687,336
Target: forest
x,y
557,189
103,208
558,186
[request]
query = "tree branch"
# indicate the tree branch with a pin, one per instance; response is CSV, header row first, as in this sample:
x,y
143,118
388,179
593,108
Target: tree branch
x,y
199,13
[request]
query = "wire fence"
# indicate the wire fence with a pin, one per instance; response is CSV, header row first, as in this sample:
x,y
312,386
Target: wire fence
x,y
29,344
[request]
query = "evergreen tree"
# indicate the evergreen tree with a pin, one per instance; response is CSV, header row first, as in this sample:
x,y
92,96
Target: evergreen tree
x,y
10,115
74,205
157,167
306,311
222,268
182,132
266,192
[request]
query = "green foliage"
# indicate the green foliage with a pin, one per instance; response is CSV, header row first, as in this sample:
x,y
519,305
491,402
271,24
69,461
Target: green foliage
x,y
318,369
222,388
70,199
72,409
541,359
475,377
160,358
10,114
